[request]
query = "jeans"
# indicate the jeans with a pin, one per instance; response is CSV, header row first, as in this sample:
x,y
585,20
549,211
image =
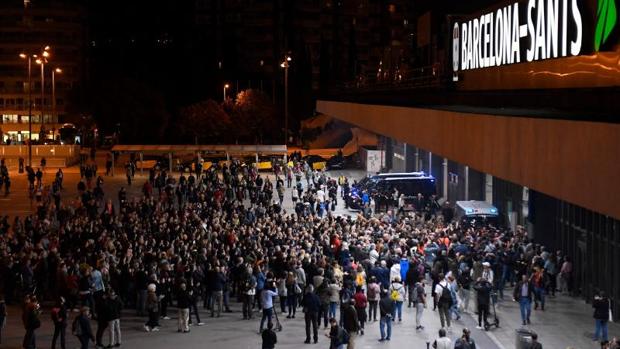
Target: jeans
x,y
248,300
217,301
267,315
194,307
601,328
419,310
454,310
141,302
525,304
59,331
332,309
283,303
540,296
323,314
114,331
383,322
398,310
465,294
372,310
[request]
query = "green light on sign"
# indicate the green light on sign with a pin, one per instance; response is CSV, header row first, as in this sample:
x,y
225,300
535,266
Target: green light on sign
x,y
606,17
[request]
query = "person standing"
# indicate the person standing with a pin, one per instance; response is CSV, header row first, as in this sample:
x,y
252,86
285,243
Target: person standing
x,y
114,307
269,337
419,296
523,292
337,335
82,329
374,295
601,316
350,322
267,296
386,309
397,293
31,322
538,280
442,342
249,292
443,298
465,342
152,307
360,306
483,298
183,303
219,283
59,318
311,305
103,318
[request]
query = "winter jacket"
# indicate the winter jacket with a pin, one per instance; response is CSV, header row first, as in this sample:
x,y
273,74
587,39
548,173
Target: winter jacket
x,y
601,308
398,287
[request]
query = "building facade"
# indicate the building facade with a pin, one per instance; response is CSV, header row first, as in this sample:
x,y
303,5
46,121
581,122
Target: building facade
x,y
27,27
513,104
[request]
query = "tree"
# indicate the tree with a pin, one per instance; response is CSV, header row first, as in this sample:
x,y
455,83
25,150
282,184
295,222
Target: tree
x,y
205,122
254,116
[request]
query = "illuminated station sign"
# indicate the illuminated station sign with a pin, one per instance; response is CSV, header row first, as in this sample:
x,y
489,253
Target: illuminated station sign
x,y
527,31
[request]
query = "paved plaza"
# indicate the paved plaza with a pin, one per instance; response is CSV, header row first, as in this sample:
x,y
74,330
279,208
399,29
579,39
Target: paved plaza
x,y
567,321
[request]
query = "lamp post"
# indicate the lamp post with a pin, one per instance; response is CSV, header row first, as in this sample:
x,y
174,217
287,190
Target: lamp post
x,y
29,58
54,72
42,60
285,64
226,86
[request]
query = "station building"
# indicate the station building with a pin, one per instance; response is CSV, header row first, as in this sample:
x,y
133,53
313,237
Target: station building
x,y
515,103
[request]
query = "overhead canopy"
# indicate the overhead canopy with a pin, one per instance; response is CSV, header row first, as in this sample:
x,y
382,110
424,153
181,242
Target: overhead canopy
x,y
229,149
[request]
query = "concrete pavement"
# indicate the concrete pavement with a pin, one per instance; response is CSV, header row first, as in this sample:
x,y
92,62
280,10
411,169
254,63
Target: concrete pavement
x,y
566,322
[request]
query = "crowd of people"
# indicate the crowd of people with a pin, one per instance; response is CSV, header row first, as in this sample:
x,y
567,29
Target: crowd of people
x,y
217,236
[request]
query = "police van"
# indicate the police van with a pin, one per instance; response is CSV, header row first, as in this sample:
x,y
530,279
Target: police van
x,y
473,212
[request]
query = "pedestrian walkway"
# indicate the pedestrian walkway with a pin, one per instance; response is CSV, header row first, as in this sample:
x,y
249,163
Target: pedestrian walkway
x,y
566,322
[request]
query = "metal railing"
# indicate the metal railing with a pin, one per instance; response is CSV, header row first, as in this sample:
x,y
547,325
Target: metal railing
x,y
423,77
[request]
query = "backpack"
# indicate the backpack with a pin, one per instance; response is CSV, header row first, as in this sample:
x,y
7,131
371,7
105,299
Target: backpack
x,y
359,280
76,328
394,295
446,296
371,293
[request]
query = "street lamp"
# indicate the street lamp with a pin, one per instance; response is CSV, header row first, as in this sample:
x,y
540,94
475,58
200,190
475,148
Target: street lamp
x,y
29,56
42,61
54,72
226,86
285,64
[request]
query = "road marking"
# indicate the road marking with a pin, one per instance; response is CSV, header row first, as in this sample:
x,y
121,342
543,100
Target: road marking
x,y
495,340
